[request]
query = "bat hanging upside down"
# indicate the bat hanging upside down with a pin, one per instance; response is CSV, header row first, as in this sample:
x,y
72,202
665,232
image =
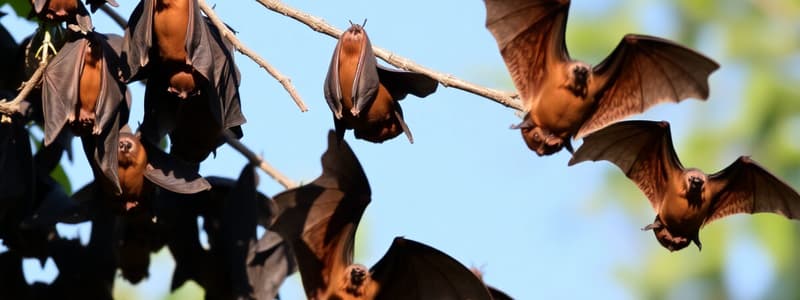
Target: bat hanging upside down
x,y
685,199
368,93
565,98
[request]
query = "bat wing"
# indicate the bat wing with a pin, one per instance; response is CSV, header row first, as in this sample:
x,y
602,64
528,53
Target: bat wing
x,y
60,88
412,270
332,88
401,83
319,219
139,38
269,262
746,187
530,35
226,105
641,149
644,71
171,174
199,43
238,228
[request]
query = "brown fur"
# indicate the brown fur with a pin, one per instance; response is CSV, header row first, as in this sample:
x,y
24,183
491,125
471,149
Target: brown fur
x,y
89,91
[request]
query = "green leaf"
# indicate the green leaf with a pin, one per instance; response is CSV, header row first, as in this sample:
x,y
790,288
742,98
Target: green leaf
x,y
21,7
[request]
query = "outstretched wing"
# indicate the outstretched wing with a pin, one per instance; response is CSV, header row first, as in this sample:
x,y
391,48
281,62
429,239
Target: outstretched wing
x,y
746,187
269,262
412,270
319,219
644,71
641,149
530,35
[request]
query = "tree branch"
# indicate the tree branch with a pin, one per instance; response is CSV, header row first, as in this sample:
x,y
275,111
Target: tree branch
x,y
18,105
223,29
507,99
257,160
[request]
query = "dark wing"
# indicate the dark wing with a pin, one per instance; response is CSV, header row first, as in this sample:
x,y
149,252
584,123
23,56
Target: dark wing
x,y
226,105
319,219
498,294
199,43
746,187
644,71
238,230
412,270
530,35
641,149
60,87
172,174
332,88
269,262
139,38
401,83
111,111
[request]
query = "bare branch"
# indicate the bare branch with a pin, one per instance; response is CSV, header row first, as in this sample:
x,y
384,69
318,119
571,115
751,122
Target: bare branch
x,y
507,99
257,160
16,106
223,29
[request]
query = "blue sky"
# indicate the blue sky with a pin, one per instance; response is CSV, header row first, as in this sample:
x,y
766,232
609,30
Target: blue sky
x,y
468,186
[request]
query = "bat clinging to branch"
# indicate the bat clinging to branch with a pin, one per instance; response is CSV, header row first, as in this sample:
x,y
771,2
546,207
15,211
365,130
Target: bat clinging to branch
x,y
363,95
566,98
685,199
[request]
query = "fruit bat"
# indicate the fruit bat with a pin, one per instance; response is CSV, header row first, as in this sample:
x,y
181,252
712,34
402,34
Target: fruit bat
x,y
368,93
195,125
685,199
565,98
176,33
319,222
81,89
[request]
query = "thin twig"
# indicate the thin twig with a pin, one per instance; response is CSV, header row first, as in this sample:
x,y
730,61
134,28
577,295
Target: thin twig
x,y
505,98
257,160
8,108
223,29
122,22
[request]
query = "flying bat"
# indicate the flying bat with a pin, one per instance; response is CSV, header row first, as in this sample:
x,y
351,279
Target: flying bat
x,y
565,98
319,222
685,199
364,95
81,89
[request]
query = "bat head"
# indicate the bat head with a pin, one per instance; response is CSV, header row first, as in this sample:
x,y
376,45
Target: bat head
x,y
541,141
58,10
694,182
579,74
354,35
356,279
129,149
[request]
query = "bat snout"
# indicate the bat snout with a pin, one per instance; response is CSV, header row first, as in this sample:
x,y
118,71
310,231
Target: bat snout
x,y
125,146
